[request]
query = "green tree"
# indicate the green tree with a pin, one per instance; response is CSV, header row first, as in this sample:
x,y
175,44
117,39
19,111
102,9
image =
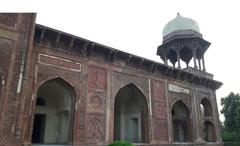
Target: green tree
x,y
231,111
231,104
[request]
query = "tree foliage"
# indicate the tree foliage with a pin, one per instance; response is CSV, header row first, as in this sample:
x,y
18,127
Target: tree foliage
x,y
231,111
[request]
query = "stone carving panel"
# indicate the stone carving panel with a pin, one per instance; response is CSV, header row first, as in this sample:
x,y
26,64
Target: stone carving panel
x,y
95,122
161,130
9,19
96,102
95,128
5,54
159,91
97,78
159,111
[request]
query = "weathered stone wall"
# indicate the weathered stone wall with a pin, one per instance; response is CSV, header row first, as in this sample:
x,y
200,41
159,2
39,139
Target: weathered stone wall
x,y
96,80
16,35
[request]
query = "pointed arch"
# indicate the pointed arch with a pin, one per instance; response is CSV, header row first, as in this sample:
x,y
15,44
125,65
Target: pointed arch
x,y
186,54
130,115
181,101
181,122
209,131
172,56
206,107
53,121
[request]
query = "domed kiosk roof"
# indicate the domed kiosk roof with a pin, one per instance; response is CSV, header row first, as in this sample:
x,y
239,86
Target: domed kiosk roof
x,y
180,23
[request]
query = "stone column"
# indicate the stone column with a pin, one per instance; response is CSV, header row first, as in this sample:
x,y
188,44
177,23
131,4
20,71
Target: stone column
x,y
194,58
197,119
203,63
165,60
199,64
178,59
216,117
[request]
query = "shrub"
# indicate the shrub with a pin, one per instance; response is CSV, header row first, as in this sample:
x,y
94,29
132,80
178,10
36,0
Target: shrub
x,y
230,136
121,143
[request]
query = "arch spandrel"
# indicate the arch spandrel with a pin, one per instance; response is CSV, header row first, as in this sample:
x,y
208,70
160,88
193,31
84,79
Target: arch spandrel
x,y
182,102
120,80
53,77
175,97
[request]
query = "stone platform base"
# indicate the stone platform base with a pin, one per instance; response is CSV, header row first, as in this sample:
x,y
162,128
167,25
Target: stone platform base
x,y
135,144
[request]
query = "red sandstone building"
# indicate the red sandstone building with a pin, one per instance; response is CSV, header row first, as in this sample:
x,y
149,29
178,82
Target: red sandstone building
x,y
61,89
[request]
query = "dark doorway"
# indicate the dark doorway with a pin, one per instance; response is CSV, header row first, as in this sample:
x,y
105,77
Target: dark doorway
x,y
209,131
54,113
181,123
130,115
39,128
134,130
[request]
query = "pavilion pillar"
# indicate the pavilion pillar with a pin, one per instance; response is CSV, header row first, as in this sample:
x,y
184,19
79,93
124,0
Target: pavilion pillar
x,y
178,59
203,63
194,58
165,60
199,64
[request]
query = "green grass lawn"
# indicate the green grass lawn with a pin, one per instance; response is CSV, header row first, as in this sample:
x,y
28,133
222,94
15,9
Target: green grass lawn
x,y
231,143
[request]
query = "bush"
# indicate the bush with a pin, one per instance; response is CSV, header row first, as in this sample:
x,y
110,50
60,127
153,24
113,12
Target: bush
x,y
121,143
230,136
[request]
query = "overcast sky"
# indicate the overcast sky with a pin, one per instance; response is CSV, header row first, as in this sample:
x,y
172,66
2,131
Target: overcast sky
x,y
136,26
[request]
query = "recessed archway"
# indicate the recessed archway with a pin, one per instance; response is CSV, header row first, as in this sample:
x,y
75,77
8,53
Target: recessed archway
x,y
206,107
209,132
181,124
130,115
186,55
54,113
172,56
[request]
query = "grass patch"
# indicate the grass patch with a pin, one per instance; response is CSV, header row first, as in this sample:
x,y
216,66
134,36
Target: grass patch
x,y
231,143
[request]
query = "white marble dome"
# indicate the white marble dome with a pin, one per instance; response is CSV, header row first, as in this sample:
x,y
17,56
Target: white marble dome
x,y
180,23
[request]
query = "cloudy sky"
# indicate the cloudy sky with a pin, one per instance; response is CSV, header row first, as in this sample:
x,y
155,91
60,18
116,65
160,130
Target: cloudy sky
x,y
135,26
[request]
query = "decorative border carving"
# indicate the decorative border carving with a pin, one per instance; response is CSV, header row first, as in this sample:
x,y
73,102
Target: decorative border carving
x,y
59,62
178,89
97,78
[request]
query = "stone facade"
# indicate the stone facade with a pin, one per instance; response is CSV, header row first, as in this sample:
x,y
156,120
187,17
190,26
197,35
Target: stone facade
x,y
33,54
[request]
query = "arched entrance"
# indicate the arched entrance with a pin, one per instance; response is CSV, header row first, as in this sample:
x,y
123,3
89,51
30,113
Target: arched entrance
x,y
181,123
209,131
130,115
54,113
206,107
